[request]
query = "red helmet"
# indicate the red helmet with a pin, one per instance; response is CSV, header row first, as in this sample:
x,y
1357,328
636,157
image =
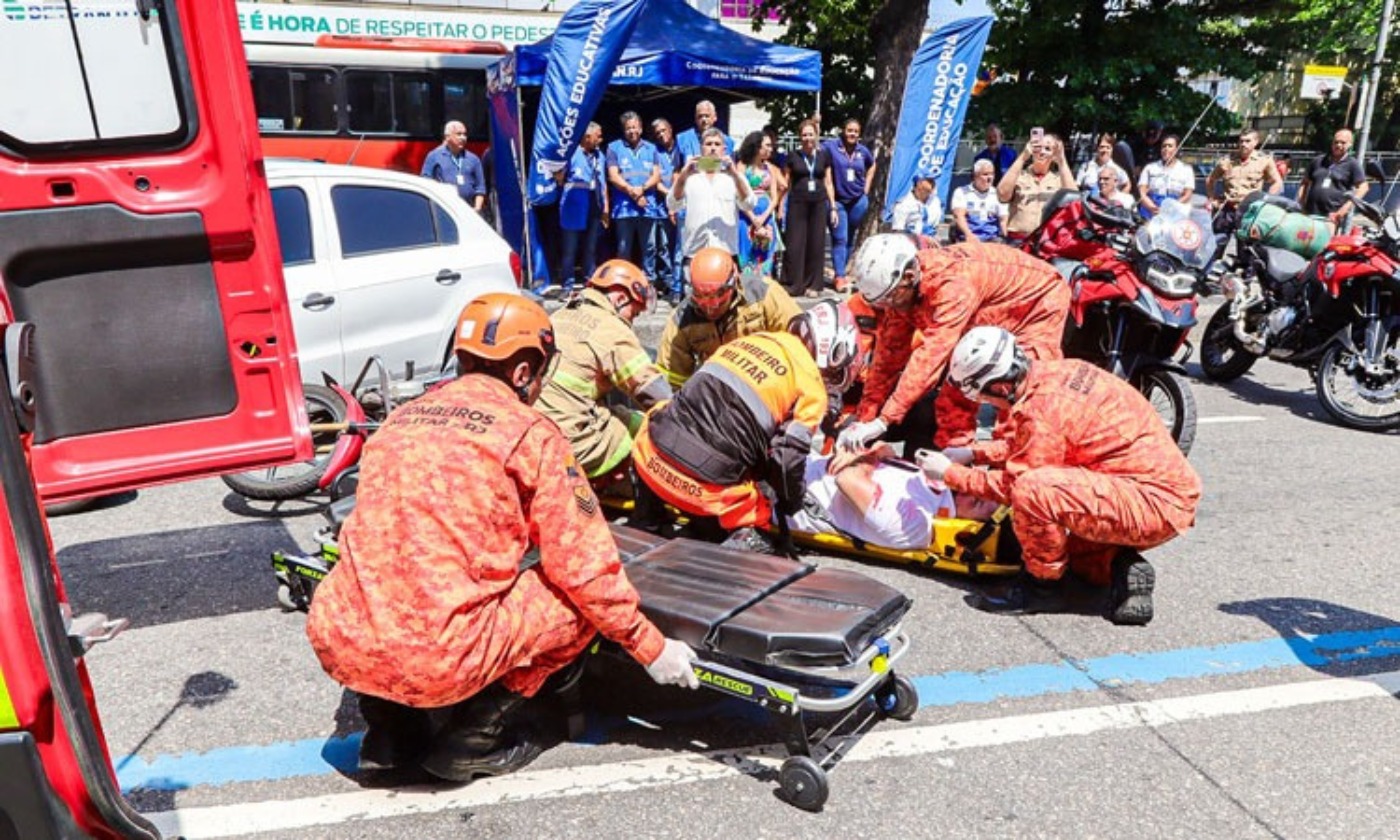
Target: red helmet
x,y
624,277
713,281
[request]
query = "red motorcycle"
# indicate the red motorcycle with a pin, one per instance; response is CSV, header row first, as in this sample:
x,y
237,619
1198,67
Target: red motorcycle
x,y
1134,293
1337,315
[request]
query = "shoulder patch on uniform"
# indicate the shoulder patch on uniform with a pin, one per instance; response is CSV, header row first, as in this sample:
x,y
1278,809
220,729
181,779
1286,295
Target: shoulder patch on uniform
x,y
586,501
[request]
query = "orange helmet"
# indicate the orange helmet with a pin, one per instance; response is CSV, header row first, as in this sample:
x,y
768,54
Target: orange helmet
x,y
497,325
624,277
713,280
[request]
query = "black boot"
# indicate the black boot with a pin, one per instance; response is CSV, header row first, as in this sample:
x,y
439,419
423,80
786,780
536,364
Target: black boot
x,y
395,735
1025,595
1130,600
480,740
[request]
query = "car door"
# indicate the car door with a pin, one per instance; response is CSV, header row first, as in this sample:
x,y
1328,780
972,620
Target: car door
x,y
144,331
396,271
308,267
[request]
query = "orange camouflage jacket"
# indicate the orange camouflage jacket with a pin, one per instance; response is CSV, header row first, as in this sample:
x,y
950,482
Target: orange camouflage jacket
x,y
455,488
961,286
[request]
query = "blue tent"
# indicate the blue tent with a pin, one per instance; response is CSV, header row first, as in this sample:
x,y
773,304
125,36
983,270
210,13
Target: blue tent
x,y
668,44
673,44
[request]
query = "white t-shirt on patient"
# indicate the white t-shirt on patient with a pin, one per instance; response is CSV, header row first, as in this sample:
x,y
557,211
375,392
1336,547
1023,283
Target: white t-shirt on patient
x,y
900,517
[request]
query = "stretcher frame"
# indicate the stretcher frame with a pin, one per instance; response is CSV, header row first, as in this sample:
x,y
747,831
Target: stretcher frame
x,y
813,752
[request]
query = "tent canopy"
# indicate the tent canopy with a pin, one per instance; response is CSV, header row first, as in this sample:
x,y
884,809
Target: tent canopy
x,y
676,45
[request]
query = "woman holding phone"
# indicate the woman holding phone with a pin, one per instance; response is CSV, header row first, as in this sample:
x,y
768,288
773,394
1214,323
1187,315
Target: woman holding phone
x,y
1037,173
811,209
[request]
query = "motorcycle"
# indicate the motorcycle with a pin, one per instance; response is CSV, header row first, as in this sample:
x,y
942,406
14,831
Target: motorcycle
x,y
341,420
1134,287
1337,315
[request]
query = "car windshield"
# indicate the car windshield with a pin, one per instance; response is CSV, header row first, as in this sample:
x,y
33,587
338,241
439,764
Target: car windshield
x,y
1180,230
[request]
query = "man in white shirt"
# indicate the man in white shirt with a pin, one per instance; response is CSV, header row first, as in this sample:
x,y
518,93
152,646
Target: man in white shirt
x,y
711,191
919,211
877,501
978,212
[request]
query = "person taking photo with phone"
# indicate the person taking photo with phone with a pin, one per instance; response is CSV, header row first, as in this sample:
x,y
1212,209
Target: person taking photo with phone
x,y
1034,176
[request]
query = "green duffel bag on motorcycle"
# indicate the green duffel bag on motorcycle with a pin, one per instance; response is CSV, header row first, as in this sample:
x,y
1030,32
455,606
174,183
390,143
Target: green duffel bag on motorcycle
x,y
1276,227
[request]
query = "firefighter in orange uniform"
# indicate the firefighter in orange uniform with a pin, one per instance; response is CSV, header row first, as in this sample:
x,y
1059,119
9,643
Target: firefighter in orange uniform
x,y
1089,471
428,607
742,425
941,293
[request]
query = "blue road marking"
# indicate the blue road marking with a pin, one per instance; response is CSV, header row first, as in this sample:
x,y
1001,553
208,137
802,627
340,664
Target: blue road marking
x,y
321,756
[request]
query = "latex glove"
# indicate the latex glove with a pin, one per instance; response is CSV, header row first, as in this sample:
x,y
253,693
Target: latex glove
x,y
672,667
959,455
861,435
933,463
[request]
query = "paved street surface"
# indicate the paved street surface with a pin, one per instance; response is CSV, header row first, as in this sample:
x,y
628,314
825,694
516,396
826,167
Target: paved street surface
x,y
1260,703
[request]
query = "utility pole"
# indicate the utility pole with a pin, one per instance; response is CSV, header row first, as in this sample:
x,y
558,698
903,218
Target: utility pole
x,y
1368,102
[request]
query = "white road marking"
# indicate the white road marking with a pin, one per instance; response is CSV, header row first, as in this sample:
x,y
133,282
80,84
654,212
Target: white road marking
x,y
255,817
1229,418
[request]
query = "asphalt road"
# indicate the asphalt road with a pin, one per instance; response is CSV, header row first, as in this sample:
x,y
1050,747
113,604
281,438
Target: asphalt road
x,y
1260,703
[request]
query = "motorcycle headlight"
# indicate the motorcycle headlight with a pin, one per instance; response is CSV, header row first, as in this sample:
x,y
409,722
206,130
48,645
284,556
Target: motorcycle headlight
x,y
1176,284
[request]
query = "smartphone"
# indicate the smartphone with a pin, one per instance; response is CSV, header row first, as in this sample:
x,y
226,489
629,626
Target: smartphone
x,y
1037,135
708,164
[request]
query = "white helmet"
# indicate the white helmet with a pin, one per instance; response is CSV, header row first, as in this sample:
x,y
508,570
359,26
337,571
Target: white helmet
x,y
984,356
880,263
830,333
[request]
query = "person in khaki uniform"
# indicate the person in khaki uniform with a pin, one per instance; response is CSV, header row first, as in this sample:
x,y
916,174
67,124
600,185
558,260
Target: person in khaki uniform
x,y
599,351
429,608
723,306
1248,172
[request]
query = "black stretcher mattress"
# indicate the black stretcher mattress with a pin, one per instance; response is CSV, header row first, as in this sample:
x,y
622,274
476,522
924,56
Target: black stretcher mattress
x,y
756,607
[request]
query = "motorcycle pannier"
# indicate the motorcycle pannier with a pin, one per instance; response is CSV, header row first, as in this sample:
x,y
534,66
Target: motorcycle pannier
x,y
1276,227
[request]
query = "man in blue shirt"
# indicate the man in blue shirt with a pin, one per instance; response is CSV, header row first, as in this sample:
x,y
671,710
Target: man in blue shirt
x,y
634,170
688,141
453,163
1001,155
664,236
852,171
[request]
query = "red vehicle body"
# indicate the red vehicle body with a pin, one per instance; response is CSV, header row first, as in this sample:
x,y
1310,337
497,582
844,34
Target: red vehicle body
x,y
147,339
1337,315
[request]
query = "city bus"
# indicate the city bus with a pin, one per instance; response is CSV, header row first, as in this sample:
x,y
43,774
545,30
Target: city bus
x,y
368,100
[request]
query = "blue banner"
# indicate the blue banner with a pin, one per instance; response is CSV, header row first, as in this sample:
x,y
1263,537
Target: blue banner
x,y
935,102
584,50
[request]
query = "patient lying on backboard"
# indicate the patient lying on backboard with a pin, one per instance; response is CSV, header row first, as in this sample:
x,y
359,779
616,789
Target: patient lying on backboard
x,y
873,498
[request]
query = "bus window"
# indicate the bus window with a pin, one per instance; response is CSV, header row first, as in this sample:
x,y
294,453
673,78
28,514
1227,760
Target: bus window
x,y
388,103
294,98
106,79
464,98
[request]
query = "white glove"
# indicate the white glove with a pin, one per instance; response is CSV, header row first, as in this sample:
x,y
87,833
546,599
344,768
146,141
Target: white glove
x,y
861,435
672,667
933,463
959,455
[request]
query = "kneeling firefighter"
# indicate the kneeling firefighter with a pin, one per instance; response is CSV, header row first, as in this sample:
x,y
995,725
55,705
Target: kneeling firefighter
x,y
599,351
733,443
428,606
1089,470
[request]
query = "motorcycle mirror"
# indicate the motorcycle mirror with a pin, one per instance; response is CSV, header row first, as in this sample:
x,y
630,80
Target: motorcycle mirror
x,y
1374,212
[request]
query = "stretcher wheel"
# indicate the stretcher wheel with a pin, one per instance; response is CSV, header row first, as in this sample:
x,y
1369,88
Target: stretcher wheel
x,y
902,700
803,782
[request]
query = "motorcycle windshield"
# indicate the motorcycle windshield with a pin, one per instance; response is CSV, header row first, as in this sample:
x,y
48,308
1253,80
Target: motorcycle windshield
x,y
1182,231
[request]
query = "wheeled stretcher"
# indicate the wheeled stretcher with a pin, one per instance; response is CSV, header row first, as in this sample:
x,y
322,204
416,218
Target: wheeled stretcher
x,y
792,638
788,636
